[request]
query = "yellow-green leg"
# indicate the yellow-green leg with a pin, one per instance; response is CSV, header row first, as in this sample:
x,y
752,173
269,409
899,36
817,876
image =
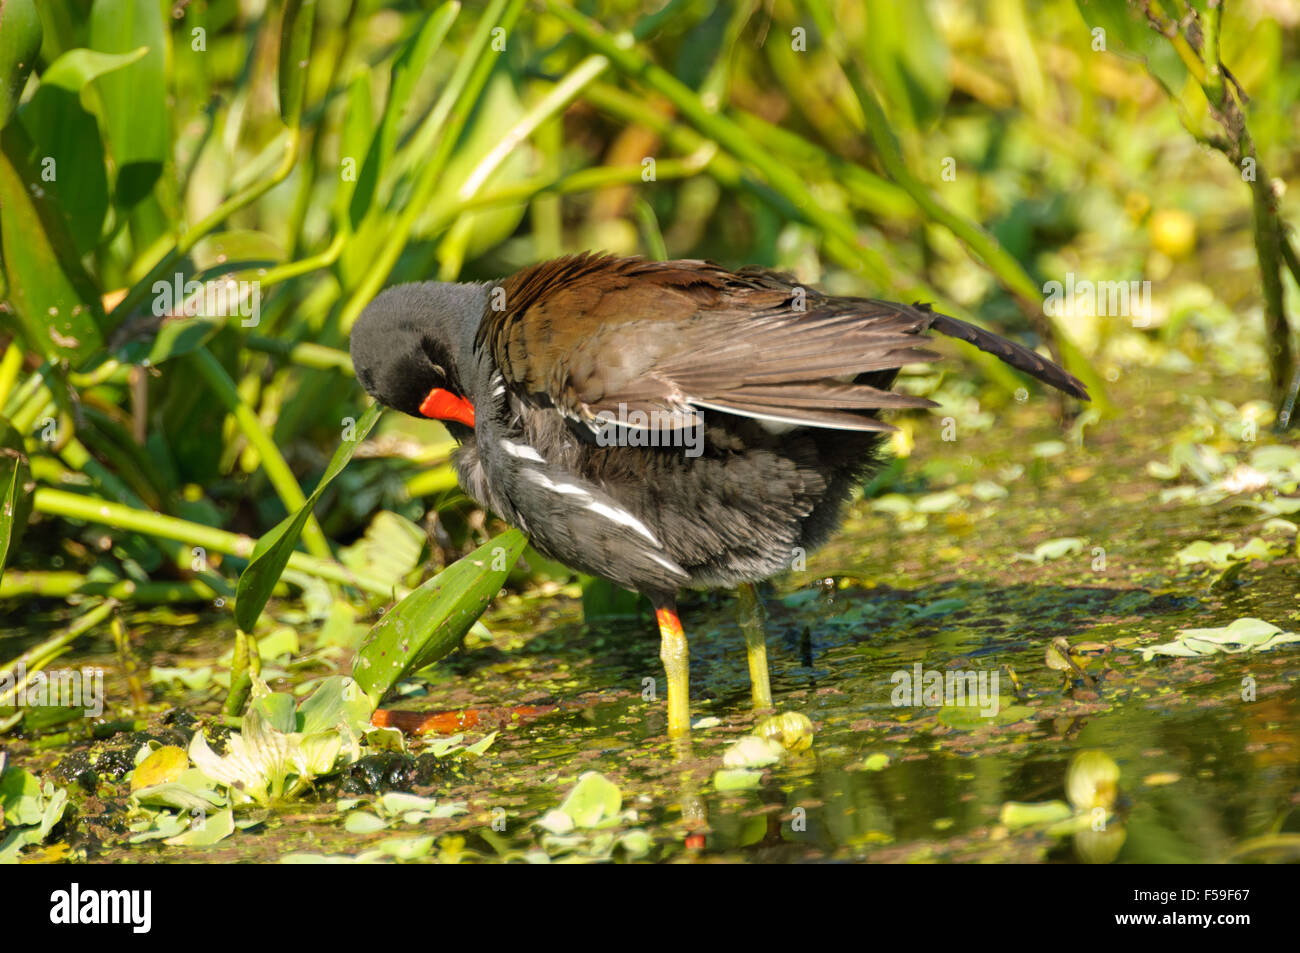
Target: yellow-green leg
x,y
751,623
676,659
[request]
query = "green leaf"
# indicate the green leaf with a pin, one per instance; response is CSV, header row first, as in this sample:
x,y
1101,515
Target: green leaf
x,y
76,68
278,710
603,601
68,140
137,118
971,716
408,67
499,110
272,552
160,767
236,249
295,53
1242,635
736,779
174,339
390,548
56,301
908,58
16,488
593,799
20,41
364,822
1127,34
207,832
1017,814
356,137
336,702
432,620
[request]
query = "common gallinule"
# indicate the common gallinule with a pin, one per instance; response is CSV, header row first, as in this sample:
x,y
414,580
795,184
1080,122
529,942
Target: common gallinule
x,y
659,424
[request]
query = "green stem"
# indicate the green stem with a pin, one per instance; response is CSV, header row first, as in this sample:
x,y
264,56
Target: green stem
x,y
553,102
26,390
273,462
99,375
322,259
36,657
467,83
91,510
10,365
304,354
60,585
76,456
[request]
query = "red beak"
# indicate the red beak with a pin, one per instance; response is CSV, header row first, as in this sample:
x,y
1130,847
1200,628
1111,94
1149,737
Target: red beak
x,y
444,405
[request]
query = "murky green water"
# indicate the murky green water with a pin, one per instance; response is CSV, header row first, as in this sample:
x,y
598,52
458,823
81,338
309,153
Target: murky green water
x,y
1208,748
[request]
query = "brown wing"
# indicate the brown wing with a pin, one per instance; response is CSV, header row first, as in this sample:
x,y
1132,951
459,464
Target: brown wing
x,y
590,334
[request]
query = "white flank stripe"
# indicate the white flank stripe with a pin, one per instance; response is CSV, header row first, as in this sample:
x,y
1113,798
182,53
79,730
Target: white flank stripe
x,y
623,518
667,563
612,513
522,451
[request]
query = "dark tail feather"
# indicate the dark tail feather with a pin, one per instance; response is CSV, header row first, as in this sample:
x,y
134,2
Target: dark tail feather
x,y
1012,353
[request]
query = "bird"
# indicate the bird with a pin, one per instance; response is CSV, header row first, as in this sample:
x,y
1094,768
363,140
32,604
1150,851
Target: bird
x,y
664,425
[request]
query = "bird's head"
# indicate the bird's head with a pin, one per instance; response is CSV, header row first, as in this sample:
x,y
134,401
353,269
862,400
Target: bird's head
x,y
408,345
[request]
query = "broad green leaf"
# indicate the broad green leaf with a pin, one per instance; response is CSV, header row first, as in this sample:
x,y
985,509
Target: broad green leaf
x,y
364,822
432,620
736,779
161,767
295,53
174,339
1203,551
1242,635
236,247
271,554
76,68
208,831
357,140
188,791
751,751
1017,814
16,488
1053,549
972,715
603,601
390,548
137,118
336,701
593,799
278,710
68,139
57,303
20,41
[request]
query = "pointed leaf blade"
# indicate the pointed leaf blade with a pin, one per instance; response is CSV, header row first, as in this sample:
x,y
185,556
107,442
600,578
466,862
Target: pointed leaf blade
x,y
430,622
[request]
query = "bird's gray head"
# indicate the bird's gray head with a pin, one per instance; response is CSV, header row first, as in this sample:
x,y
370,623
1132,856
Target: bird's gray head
x,y
415,339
